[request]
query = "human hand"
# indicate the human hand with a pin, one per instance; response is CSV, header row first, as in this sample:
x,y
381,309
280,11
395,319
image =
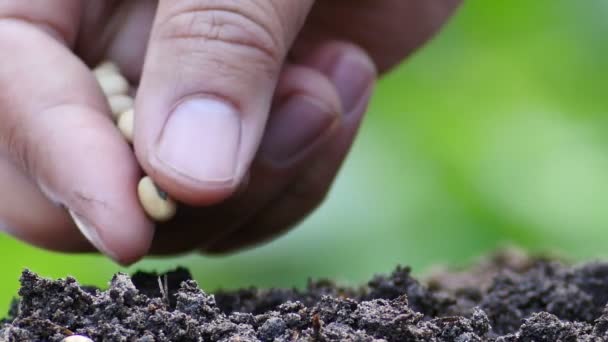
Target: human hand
x,y
244,113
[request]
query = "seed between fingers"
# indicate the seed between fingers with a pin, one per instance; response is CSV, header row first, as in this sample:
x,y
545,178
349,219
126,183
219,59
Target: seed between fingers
x,y
120,104
113,84
156,203
106,67
126,122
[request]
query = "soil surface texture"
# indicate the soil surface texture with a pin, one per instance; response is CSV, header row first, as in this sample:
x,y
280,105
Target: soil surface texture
x,y
508,298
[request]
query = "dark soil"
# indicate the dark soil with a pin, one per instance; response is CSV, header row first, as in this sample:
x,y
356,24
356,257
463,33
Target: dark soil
x,y
510,298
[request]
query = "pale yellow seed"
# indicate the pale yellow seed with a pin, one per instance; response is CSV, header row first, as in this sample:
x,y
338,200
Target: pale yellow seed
x,y
76,338
113,84
125,124
106,67
155,202
120,104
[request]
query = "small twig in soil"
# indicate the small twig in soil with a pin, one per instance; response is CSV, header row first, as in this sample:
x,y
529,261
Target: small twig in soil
x,y
164,289
316,326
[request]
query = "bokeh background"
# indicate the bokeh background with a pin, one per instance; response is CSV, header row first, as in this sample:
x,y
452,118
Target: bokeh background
x,y
496,132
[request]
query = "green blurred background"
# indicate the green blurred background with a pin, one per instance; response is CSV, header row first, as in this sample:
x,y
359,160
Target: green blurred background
x,y
495,132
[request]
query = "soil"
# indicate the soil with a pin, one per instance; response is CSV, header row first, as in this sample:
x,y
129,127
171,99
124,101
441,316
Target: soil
x,y
507,298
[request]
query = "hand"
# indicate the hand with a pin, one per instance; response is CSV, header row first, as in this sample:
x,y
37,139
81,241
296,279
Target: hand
x,y
244,112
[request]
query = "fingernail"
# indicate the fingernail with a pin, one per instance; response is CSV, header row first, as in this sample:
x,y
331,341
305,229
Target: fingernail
x,y
294,127
91,234
353,74
201,140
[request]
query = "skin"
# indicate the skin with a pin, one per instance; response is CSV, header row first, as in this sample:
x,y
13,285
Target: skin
x,y
244,114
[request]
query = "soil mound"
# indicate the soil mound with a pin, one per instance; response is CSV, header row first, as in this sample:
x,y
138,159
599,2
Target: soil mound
x,y
506,299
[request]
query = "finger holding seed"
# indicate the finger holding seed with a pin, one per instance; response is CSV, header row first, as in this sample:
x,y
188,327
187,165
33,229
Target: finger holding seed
x,y
156,203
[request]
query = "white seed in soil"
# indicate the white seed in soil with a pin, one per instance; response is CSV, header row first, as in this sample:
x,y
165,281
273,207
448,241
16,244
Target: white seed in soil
x,y
120,104
126,123
113,84
76,338
155,202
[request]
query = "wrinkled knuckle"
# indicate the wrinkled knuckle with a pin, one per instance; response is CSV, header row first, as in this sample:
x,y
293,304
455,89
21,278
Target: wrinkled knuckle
x,y
14,145
245,27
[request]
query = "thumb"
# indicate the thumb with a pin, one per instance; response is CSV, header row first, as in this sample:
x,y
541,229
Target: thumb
x,y
207,86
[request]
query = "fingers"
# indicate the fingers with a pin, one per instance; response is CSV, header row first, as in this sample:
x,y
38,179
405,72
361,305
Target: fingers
x,y
306,111
117,31
55,126
389,30
28,215
353,75
207,86
299,199
59,19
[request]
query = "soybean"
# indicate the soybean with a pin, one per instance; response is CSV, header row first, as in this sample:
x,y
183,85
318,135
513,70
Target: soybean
x,y
106,67
113,84
126,124
155,202
120,104
76,338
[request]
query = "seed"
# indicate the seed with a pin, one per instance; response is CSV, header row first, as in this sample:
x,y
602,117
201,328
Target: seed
x,y
126,124
120,104
113,84
106,67
155,202
76,338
